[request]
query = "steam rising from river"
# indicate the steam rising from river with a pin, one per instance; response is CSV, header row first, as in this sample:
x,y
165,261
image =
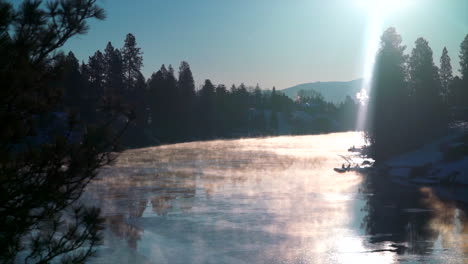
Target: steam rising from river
x,y
266,200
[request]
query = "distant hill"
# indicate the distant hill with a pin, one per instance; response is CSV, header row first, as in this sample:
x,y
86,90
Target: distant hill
x,y
335,92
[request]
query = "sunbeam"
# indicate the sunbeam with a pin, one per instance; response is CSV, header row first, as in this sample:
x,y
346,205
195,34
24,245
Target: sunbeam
x,y
376,11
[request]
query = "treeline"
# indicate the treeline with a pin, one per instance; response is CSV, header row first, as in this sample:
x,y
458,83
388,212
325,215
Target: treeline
x,y
168,108
412,101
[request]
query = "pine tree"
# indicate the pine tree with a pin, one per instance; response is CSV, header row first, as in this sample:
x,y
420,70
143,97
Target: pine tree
x,y
186,99
258,97
132,62
427,109
206,105
96,74
388,97
134,91
46,175
464,59
464,71
186,84
72,81
113,71
445,73
89,96
221,110
163,105
95,77
274,100
424,76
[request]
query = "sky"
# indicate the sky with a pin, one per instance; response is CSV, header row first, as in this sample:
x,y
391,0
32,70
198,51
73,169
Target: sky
x,y
270,42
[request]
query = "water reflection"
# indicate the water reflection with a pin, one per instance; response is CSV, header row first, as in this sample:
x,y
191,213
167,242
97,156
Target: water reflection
x,y
272,200
421,226
449,222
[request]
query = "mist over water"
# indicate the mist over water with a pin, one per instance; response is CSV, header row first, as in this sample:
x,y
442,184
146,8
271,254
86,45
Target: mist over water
x,y
268,200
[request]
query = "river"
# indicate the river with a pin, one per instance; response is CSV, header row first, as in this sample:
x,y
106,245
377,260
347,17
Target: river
x,y
268,200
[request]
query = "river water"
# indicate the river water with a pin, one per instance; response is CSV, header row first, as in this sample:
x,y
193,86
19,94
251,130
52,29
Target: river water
x,y
268,200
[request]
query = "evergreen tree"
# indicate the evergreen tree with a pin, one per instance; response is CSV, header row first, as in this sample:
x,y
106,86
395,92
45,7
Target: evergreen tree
x,y
89,96
427,109
155,95
113,72
464,71
221,110
206,105
132,62
347,111
258,97
274,100
94,73
186,99
134,91
387,106
95,76
162,102
458,93
186,84
73,82
445,73
424,76
464,59
43,176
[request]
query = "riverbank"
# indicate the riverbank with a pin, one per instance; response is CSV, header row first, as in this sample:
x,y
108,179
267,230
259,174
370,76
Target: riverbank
x,y
442,164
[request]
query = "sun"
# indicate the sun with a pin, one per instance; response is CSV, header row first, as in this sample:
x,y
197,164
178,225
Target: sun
x,y
383,7
377,11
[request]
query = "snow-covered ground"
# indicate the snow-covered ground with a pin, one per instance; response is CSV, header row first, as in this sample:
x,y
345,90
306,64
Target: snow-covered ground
x,y
430,157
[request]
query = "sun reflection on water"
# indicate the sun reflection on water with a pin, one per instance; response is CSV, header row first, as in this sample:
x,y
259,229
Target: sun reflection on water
x,y
265,200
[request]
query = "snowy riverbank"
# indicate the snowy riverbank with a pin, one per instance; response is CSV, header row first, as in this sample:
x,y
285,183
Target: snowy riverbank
x,y
430,165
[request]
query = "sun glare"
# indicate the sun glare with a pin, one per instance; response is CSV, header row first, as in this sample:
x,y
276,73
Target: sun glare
x,y
377,12
382,7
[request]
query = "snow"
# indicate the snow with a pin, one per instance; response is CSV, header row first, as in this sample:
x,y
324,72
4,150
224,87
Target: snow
x,y
430,155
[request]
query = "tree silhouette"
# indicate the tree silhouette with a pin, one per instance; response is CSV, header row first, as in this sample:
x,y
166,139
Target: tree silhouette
x,y
113,72
464,71
388,97
94,73
406,105
135,91
132,62
464,58
43,168
163,99
427,109
73,82
446,76
206,110
186,99
409,93
221,110
423,73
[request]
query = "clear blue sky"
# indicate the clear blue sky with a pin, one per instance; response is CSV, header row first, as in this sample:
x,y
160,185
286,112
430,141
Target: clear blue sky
x,y
271,42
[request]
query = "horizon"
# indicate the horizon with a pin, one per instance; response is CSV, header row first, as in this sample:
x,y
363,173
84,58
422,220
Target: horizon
x,y
291,44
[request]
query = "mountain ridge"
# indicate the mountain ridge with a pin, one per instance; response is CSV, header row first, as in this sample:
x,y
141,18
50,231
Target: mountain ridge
x,y
333,91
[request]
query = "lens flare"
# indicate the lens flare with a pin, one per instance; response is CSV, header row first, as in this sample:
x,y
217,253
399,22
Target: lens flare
x,y
377,11
383,6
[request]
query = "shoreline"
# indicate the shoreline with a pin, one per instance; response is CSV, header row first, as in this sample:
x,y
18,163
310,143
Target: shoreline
x,y
429,166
